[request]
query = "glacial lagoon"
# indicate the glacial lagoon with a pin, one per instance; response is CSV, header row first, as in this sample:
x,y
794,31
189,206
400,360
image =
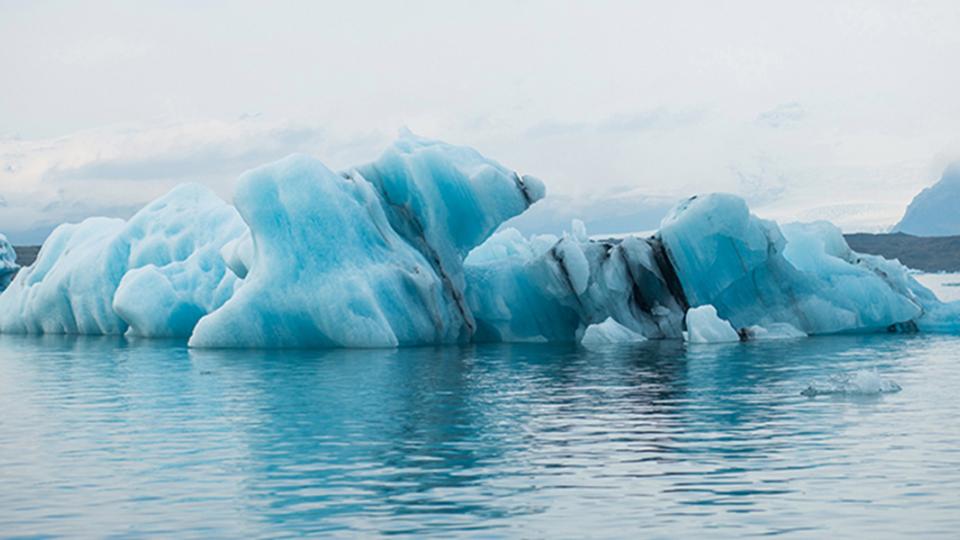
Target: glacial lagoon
x,y
109,437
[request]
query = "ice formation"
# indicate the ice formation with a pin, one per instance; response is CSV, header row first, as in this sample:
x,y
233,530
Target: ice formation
x,y
609,332
705,326
8,262
154,275
403,251
369,258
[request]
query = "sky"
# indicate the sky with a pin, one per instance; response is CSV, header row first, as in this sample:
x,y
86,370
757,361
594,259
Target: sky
x,y
810,110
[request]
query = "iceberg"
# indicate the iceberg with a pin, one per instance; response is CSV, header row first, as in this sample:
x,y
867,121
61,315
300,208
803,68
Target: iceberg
x,y
410,249
8,262
153,275
756,273
372,257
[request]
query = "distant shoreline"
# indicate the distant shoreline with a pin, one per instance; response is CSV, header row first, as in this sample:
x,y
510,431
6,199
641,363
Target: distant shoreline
x,y
26,254
927,254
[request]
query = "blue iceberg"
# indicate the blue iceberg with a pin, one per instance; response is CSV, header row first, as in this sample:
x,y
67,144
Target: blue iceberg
x,y
154,275
372,257
405,250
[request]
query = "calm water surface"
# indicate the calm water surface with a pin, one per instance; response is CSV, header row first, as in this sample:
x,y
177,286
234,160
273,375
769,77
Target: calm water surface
x,y
99,437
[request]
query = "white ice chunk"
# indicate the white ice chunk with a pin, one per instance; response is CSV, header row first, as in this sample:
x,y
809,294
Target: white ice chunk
x,y
705,326
609,332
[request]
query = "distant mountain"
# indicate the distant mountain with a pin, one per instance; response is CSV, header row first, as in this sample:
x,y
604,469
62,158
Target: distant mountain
x,y
936,210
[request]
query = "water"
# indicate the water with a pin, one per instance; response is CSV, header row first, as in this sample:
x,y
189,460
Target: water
x,y
103,438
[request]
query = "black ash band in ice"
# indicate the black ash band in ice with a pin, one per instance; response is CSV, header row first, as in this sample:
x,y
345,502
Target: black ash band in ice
x,y
403,251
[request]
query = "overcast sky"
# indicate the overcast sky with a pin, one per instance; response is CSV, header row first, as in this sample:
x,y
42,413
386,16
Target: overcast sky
x,y
839,110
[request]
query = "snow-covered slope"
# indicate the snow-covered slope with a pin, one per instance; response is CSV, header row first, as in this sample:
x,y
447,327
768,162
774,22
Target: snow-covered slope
x,y
936,210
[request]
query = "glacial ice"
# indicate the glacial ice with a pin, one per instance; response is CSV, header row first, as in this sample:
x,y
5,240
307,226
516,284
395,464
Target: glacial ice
x,y
705,326
609,332
155,274
754,273
403,251
550,289
372,257
8,262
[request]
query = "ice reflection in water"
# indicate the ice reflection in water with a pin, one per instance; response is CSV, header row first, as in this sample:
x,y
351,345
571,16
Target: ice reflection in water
x,y
101,437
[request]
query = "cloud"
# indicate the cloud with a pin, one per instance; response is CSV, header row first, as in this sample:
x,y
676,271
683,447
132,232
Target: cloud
x,y
114,171
619,124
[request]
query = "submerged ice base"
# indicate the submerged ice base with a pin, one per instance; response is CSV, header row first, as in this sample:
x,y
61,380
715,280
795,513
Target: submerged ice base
x,y
402,251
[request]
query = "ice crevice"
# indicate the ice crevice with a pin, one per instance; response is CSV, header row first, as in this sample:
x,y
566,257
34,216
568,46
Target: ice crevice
x,y
410,249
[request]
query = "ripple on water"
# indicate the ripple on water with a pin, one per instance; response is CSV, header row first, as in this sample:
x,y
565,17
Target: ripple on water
x,y
99,437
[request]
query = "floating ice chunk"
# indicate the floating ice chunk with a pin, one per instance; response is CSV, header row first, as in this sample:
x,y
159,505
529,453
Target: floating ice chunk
x,y
369,258
754,274
705,326
773,331
860,383
609,332
8,262
168,251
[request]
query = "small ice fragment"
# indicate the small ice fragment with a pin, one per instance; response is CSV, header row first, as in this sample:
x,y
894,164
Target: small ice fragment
x,y
705,326
860,383
609,332
773,331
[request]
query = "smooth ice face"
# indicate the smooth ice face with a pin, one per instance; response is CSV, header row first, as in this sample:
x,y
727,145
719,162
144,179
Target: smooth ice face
x,y
445,200
369,258
156,273
754,274
327,270
8,262
705,326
